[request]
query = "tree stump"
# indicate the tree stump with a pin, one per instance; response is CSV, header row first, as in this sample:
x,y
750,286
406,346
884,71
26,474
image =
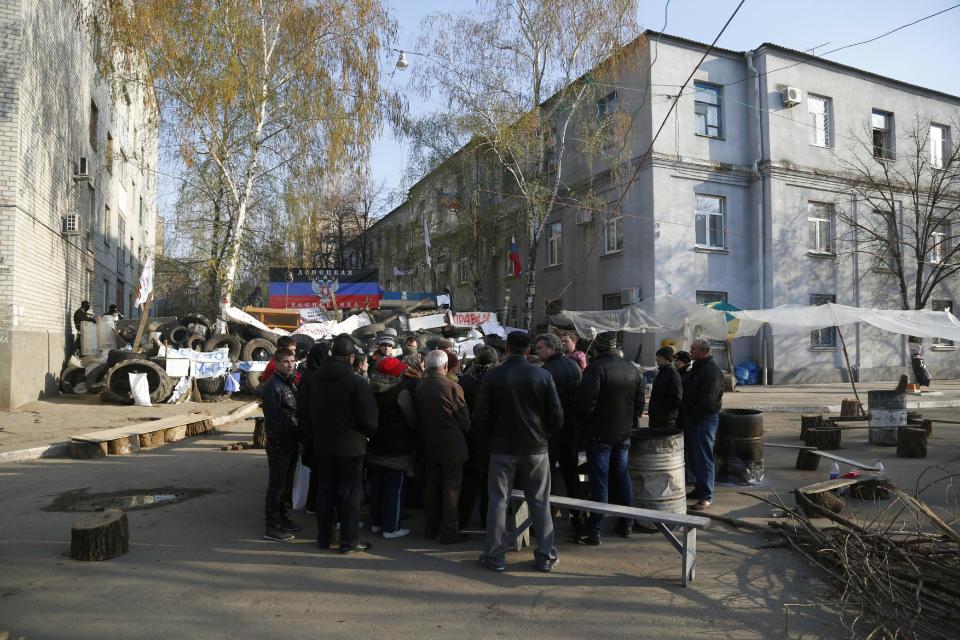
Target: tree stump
x,y
152,439
86,450
928,426
809,422
911,442
849,408
870,489
122,446
824,499
259,434
823,438
173,434
100,536
807,461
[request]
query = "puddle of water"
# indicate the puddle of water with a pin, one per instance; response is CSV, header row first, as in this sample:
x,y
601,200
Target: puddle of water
x,y
129,500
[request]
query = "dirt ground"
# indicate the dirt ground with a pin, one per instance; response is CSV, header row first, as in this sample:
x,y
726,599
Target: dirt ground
x,y
200,569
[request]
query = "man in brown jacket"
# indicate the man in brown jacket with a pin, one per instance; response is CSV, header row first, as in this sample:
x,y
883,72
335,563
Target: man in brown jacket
x,y
444,418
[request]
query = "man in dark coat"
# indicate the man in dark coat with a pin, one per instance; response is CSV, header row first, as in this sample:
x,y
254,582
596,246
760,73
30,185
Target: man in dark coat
x,y
342,413
564,449
283,444
444,421
666,392
81,315
609,404
700,411
473,489
519,408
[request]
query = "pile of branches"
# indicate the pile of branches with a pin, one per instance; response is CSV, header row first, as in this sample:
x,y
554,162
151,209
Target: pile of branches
x,y
897,575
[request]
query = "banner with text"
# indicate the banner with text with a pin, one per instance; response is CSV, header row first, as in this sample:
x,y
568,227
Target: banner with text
x,y
327,288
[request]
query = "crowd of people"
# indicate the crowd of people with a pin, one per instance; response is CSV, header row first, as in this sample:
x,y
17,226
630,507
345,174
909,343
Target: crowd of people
x,y
412,425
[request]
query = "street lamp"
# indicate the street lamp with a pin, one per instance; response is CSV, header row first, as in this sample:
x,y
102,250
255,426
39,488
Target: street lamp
x,y
402,63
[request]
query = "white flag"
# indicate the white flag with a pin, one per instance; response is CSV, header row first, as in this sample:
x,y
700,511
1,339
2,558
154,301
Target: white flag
x,y
146,282
426,240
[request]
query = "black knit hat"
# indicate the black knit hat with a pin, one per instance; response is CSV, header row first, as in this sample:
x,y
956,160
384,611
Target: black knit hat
x,y
606,341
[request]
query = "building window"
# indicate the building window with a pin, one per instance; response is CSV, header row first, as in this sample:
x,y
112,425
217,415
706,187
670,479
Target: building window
x,y
106,294
612,302
607,105
107,223
706,105
464,270
709,222
882,124
554,246
938,244
825,338
820,109
820,223
94,124
613,235
120,295
108,154
92,210
886,239
942,305
938,145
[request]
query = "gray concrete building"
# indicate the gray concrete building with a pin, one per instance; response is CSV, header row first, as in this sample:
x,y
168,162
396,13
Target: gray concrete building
x,y
744,197
77,192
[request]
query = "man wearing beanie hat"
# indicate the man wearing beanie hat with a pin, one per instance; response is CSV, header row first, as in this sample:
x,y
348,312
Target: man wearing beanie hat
x,y
665,393
391,450
385,345
609,405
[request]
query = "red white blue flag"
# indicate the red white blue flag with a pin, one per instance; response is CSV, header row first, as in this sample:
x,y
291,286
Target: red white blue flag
x,y
515,256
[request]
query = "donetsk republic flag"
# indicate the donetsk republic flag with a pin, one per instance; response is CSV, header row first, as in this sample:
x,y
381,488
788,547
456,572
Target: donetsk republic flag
x,y
330,288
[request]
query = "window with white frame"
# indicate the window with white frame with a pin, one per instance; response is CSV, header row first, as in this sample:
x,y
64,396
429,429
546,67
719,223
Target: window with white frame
x,y
938,244
820,108
938,145
709,221
554,246
613,235
820,224
882,124
942,305
607,105
464,270
825,338
707,110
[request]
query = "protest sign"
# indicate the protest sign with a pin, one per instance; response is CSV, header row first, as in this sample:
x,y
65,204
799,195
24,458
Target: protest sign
x,y
472,318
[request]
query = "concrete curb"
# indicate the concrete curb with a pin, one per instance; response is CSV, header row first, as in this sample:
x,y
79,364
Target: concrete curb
x,y
835,408
62,449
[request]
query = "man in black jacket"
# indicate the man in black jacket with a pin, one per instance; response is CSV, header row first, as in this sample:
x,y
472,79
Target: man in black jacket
x,y
564,449
342,414
519,408
700,413
609,405
666,392
283,436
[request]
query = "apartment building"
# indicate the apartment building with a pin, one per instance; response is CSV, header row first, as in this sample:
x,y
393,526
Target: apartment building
x,y
77,192
744,197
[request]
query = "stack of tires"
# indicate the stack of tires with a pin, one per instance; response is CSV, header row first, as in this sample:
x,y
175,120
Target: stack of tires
x,y
116,380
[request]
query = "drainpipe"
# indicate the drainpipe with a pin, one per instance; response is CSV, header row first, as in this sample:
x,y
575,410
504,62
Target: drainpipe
x,y
761,218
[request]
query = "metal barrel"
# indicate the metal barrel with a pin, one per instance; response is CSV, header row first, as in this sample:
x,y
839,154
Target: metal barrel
x,y
888,412
739,446
656,470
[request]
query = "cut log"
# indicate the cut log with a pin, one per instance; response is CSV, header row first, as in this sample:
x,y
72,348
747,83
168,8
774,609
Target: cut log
x,y
911,442
123,446
928,425
173,434
824,499
87,450
807,460
100,536
259,434
152,439
849,408
201,426
825,438
809,422
870,489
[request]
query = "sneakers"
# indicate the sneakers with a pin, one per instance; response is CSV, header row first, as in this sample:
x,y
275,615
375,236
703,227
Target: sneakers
x,y
399,533
289,526
487,563
278,535
591,540
547,565
701,505
360,546
375,529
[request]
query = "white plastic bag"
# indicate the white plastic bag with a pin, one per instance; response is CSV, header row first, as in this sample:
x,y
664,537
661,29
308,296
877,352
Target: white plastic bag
x,y
301,485
140,389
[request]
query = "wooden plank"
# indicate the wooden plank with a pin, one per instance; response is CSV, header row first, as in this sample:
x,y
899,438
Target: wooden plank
x,y
787,446
140,428
649,515
852,463
689,555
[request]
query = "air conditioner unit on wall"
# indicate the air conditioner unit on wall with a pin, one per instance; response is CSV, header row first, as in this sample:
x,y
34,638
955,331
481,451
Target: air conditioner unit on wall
x,y
81,169
791,96
630,295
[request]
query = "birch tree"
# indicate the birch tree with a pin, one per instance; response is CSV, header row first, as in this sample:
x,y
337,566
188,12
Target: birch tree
x,y
245,86
515,73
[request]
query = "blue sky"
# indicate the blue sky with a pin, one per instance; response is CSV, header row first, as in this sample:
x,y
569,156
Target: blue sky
x,y
927,54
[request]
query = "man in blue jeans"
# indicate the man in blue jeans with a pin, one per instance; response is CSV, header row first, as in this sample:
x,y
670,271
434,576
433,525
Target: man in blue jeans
x,y
700,415
518,407
609,404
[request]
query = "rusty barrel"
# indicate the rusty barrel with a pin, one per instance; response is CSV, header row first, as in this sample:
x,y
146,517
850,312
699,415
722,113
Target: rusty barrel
x,y
656,470
739,446
888,412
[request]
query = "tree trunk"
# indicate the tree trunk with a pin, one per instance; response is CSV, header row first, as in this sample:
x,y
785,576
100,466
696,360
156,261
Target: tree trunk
x,y
100,536
826,439
911,442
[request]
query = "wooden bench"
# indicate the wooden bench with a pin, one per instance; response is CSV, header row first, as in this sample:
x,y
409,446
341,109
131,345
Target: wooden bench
x,y
142,435
665,521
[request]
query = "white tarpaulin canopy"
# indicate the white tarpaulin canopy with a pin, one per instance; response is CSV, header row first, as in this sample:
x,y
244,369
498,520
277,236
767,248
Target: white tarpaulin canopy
x,y
590,323
687,317
790,319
